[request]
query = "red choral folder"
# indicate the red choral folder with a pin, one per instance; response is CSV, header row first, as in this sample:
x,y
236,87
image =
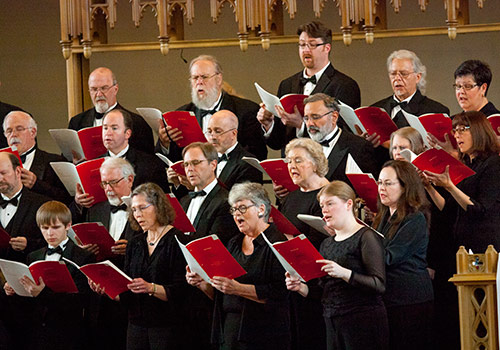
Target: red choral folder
x,y
90,177
55,275
282,223
95,233
277,170
438,124
14,152
107,275
178,167
289,101
494,120
4,239
436,160
91,141
186,122
181,221
214,258
366,188
301,255
377,120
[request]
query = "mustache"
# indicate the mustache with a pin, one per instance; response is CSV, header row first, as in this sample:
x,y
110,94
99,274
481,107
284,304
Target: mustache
x,y
313,128
15,140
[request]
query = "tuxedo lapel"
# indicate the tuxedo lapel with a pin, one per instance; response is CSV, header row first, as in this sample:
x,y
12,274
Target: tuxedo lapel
x,y
39,163
336,156
39,254
231,164
205,205
414,104
296,84
325,79
20,214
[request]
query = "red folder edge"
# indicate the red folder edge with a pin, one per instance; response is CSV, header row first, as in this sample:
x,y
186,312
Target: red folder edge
x,y
55,275
181,221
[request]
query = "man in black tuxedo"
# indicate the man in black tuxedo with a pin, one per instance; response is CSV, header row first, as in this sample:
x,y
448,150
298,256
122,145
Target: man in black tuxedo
x,y
18,206
103,88
207,98
5,109
319,75
109,318
20,129
58,320
222,133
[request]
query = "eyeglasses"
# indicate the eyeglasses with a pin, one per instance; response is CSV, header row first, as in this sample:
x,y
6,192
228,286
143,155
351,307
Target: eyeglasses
x,y
140,209
466,87
111,183
315,116
193,162
310,46
217,132
242,209
386,183
402,74
296,160
102,89
459,130
17,129
204,78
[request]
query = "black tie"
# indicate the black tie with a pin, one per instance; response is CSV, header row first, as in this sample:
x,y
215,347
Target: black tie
x,y
23,156
116,208
195,194
204,112
326,143
98,115
14,201
395,103
51,251
222,158
311,79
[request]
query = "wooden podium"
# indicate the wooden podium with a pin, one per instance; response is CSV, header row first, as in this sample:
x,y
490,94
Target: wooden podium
x,y
476,283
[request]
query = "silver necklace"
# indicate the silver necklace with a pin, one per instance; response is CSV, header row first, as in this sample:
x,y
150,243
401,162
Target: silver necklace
x,y
152,243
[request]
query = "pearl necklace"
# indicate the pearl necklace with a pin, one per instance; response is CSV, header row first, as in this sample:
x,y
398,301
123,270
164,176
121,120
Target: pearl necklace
x,y
152,243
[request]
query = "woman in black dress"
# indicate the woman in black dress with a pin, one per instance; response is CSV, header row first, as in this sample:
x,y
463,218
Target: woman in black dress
x,y
403,220
251,311
353,310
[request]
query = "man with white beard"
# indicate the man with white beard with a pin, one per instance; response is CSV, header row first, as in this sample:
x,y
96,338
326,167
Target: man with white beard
x,y
103,89
207,98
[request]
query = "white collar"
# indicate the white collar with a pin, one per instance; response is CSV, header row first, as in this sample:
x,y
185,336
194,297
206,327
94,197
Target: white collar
x,y
62,244
121,153
208,188
318,74
229,150
408,99
7,198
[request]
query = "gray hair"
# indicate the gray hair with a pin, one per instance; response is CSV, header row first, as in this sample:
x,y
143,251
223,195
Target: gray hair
x,y
329,101
218,67
254,192
418,67
31,123
117,162
314,152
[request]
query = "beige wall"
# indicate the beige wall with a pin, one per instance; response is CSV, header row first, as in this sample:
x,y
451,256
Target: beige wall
x,y
32,69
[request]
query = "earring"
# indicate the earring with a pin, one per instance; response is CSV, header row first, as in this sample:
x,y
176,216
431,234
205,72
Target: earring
x,y
260,215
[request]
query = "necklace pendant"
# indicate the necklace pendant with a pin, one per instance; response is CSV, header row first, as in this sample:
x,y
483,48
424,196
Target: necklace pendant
x,y
151,243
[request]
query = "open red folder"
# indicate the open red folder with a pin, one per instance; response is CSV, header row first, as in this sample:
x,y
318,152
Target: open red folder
x,y
178,166
14,151
282,223
436,160
494,120
276,169
95,233
288,102
186,122
55,275
437,124
181,221
208,257
298,257
86,174
86,143
368,119
107,275
364,183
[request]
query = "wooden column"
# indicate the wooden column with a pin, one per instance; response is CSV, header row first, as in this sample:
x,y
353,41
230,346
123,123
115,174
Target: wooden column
x,y
77,73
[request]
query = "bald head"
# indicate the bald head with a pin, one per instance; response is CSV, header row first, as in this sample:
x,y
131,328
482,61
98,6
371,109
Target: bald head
x,y
103,88
20,130
222,130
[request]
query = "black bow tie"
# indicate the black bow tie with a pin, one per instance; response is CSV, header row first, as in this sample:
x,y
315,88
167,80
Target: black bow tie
x,y
326,143
25,154
204,112
116,208
195,194
51,251
395,103
222,158
14,201
311,79
98,115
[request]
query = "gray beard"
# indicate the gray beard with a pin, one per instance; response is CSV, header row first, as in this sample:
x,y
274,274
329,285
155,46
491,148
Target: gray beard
x,y
114,200
101,107
319,135
208,101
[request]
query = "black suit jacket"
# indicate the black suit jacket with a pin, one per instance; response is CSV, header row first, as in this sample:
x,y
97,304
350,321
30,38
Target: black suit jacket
x,y
23,223
418,105
5,109
237,170
332,83
249,130
360,149
47,182
213,216
142,135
